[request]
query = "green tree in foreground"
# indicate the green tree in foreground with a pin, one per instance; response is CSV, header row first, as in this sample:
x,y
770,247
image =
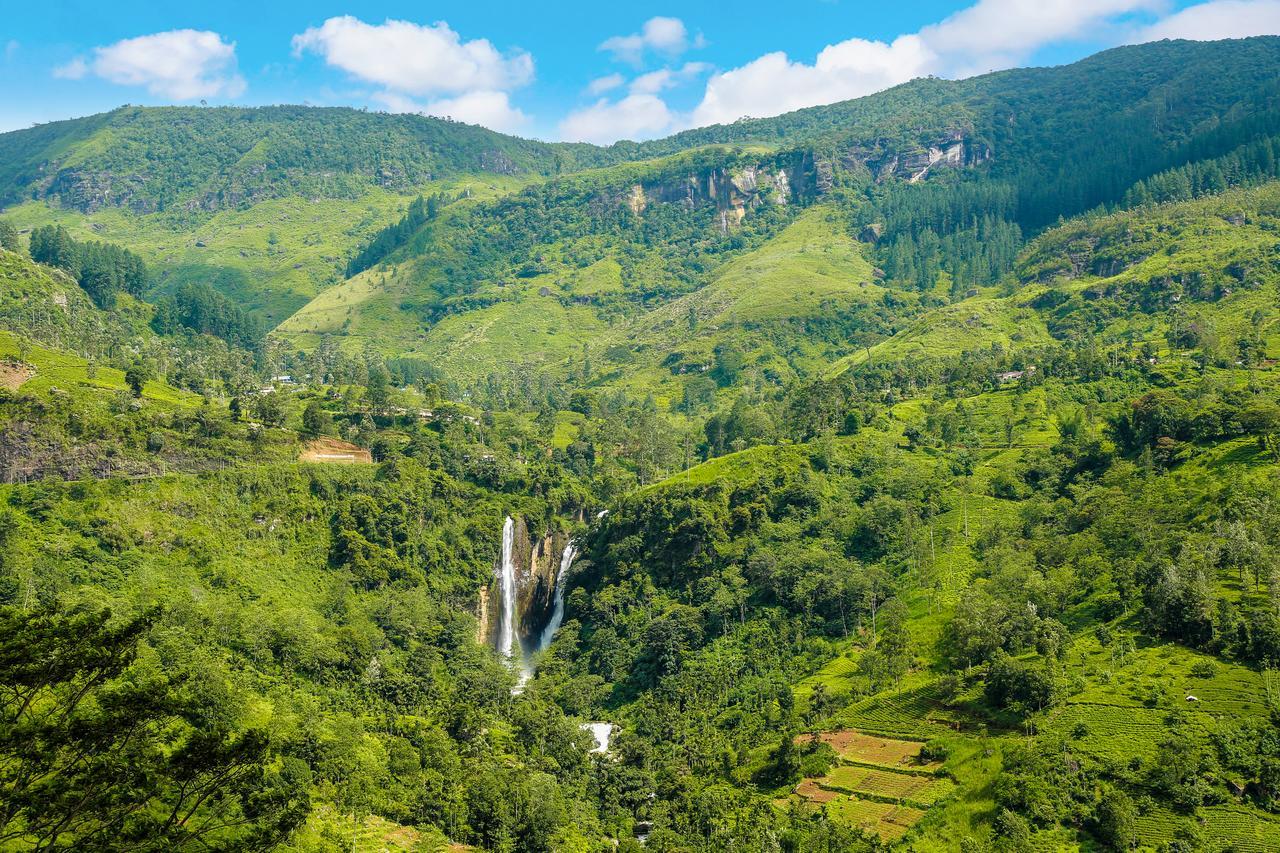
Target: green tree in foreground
x,y
136,377
99,750
9,236
315,420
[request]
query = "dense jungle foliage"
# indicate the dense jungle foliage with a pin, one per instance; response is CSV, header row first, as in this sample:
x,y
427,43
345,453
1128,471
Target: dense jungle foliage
x,y
914,506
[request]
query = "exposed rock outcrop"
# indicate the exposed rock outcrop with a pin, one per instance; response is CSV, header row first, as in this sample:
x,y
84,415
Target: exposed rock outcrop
x,y
536,561
954,149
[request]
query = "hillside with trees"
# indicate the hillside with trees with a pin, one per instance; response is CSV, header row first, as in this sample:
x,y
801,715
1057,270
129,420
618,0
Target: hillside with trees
x,y
895,475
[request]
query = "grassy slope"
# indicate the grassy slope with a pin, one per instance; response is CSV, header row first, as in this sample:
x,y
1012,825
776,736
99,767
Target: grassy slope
x,y
811,269
1157,250
977,322
761,301
61,371
312,240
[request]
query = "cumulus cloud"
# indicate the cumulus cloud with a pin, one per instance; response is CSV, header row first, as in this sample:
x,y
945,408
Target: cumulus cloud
x,y
666,78
179,64
487,108
636,116
413,58
469,81
986,36
640,114
662,35
76,69
1218,19
774,84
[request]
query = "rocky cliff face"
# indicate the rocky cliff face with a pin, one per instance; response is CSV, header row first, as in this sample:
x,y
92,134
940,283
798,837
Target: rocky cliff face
x,y
735,189
537,561
955,149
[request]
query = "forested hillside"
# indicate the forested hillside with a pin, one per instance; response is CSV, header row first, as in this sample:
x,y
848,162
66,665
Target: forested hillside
x,y
943,182
898,474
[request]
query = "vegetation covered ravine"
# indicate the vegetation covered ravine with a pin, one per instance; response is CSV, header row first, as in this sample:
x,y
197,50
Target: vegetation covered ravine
x,y
918,460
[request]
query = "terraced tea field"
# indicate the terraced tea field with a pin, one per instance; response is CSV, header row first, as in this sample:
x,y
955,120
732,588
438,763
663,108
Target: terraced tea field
x,y
918,788
1134,696
887,820
1234,828
881,786
906,715
865,748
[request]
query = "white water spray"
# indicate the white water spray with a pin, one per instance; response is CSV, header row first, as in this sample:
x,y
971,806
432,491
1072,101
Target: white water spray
x,y
602,732
557,609
507,584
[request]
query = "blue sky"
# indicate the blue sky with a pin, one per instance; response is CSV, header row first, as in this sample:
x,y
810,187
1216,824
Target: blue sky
x,y
554,70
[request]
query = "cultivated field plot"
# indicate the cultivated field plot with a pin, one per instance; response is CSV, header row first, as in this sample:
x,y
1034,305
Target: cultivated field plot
x,y
882,786
1247,831
865,748
1111,731
1234,828
887,820
1165,676
812,792
917,788
905,715
1135,697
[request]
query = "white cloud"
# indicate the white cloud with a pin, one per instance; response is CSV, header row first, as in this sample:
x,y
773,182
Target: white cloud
x,y
413,58
488,108
76,69
989,35
607,83
1219,19
470,81
179,64
641,114
634,117
660,34
653,82
666,78
774,84
995,34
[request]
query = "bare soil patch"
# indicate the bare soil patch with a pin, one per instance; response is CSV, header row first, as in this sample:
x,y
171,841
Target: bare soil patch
x,y
334,450
13,373
815,793
872,749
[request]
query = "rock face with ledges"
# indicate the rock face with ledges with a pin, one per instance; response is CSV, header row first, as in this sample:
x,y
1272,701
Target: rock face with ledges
x,y
537,561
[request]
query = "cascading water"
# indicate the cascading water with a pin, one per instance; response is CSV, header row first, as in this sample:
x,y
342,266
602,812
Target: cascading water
x,y
507,584
519,655
557,609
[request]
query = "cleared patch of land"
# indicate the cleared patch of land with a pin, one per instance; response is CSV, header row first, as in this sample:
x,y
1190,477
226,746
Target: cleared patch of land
x,y
14,373
863,748
334,450
882,785
887,820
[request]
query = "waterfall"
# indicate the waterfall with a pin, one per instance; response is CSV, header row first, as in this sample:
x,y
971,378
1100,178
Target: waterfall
x,y
602,732
557,610
507,584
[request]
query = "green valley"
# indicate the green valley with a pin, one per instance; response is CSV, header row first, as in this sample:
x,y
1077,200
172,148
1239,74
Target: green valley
x,y
898,474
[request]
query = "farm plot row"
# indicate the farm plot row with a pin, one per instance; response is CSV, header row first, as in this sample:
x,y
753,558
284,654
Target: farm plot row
x,y
887,784
887,820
